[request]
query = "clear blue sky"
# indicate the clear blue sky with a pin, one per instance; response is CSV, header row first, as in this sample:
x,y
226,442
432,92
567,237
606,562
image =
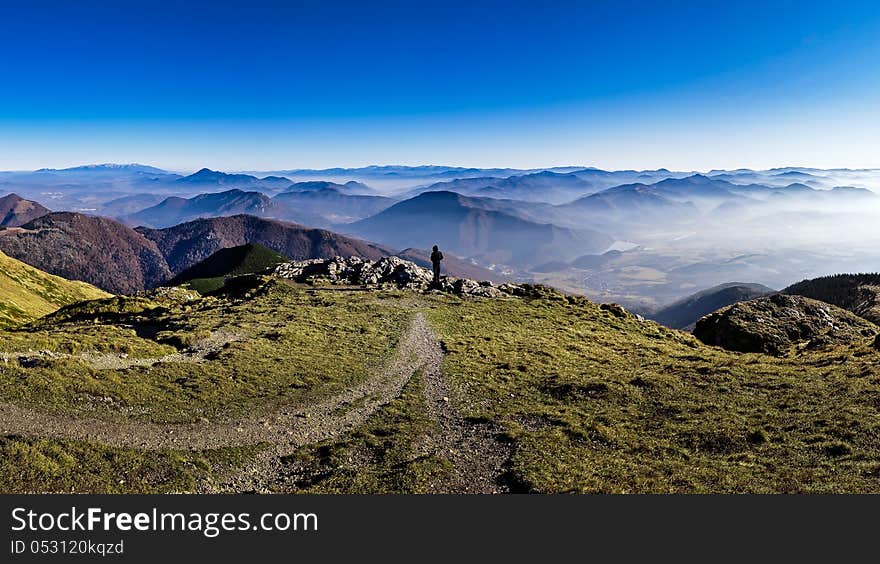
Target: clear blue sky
x,y
267,85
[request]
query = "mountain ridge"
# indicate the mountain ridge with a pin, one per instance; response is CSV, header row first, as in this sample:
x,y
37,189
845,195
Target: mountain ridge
x,y
188,243
97,250
465,227
15,211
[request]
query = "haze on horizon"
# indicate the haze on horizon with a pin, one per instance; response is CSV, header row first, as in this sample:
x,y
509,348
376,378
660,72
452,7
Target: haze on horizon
x,y
268,85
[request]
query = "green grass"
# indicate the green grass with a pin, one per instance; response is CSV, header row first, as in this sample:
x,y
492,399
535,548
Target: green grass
x,y
290,345
27,293
41,465
589,401
206,285
596,403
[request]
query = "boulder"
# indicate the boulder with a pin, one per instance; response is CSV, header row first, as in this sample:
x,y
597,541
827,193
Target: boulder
x,y
781,324
616,310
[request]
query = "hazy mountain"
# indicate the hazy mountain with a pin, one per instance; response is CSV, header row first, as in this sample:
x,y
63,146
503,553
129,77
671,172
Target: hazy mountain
x,y
392,172
852,192
465,227
628,203
545,186
349,188
588,262
207,177
775,177
108,168
328,205
174,210
15,210
703,193
689,200
127,205
96,250
27,293
189,243
318,207
694,187
684,313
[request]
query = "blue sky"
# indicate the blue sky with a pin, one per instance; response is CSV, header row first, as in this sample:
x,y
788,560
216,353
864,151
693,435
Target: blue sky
x,y
270,85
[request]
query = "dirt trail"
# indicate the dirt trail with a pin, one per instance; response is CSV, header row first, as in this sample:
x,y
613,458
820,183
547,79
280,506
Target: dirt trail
x,y
473,448
286,429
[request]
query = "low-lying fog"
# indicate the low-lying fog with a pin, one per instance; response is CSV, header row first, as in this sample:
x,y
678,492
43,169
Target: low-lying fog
x,y
668,234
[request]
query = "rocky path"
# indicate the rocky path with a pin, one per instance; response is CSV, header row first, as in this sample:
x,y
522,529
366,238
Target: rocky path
x,y
285,429
472,447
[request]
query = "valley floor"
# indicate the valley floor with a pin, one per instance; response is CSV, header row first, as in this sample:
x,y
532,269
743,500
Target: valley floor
x,y
288,388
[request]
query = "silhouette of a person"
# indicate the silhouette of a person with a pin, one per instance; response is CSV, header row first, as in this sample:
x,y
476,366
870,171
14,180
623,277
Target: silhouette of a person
x,y
436,257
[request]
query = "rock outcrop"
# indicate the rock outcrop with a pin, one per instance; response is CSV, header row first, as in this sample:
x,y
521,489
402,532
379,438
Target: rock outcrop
x,y
389,272
780,324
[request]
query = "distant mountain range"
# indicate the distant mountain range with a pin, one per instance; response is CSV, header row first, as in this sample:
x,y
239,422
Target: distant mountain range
x,y
109,168
330,205
174,210
208,177
129,205
317,206
545,186
467,228
627,203
680,230
349,188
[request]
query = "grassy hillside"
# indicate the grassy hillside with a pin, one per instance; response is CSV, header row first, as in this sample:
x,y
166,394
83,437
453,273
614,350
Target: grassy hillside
x,y
598,403
567,395
27,293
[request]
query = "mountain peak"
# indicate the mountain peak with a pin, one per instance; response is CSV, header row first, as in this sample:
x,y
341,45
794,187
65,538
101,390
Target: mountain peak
x,y
207,172
16,211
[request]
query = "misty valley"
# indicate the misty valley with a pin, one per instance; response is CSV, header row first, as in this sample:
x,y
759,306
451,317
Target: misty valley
x,y
644,239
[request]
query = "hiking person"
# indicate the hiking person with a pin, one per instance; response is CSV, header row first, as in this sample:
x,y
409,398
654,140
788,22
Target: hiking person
x,y
436,257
